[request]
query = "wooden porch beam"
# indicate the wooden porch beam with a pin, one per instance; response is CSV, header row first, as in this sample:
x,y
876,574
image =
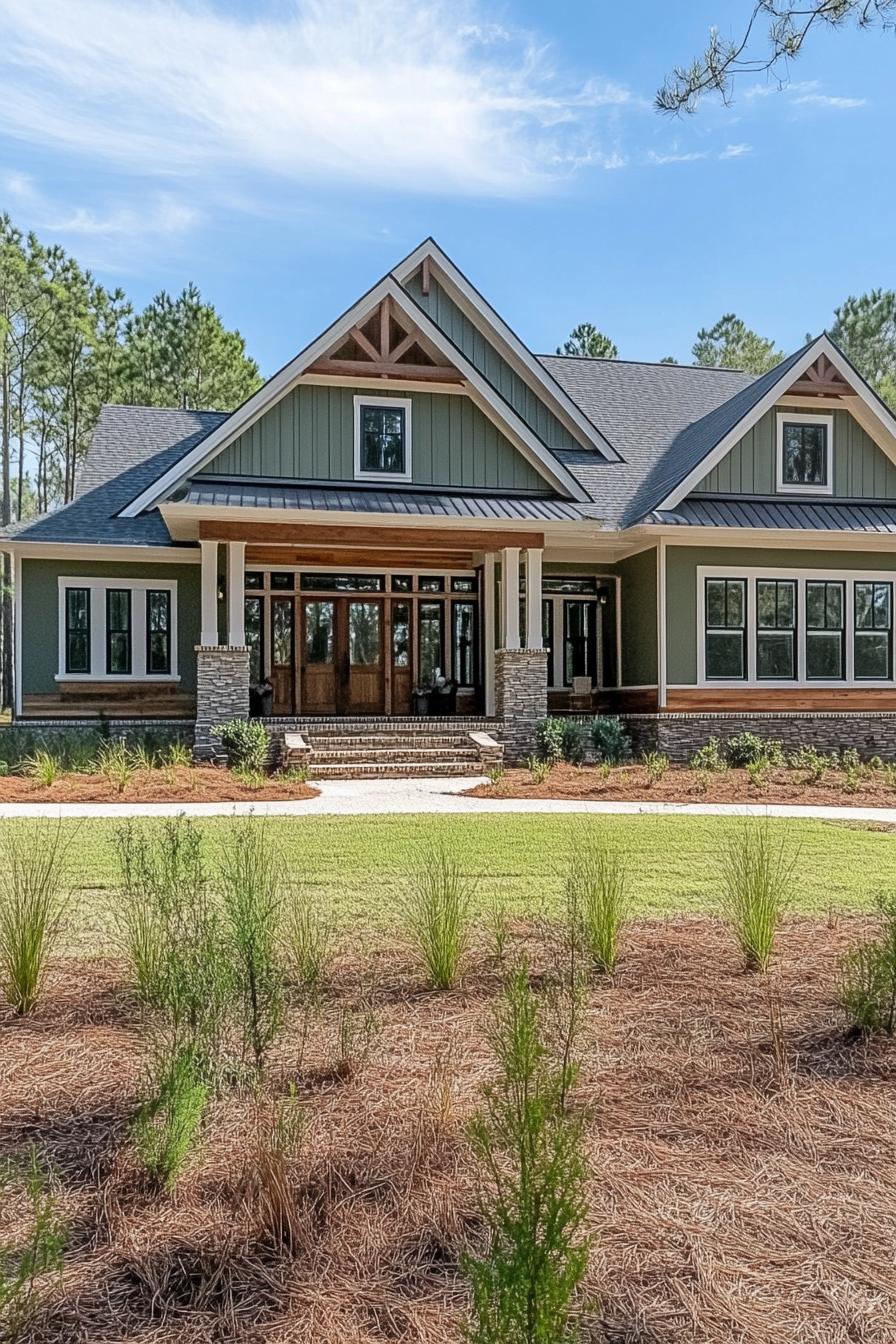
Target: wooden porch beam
x,y
362,368
805,386
399,538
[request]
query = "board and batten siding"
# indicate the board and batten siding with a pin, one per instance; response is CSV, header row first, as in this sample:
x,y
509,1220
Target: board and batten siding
x,y
637,603
309,435
450,319
682,563
40,614
861,469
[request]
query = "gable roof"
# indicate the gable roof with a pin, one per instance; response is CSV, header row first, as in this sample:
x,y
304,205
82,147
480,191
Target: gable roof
x,y
489,399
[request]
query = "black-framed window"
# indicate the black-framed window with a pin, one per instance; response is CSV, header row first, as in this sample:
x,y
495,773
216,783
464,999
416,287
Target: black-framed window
x,y
776,629
555,583
725,633
825,650
283,581
463,583
401,634
402,583
118,632
579,640
342,583
430,625
77,630
804,454
383,439
463,643
158,631
873,631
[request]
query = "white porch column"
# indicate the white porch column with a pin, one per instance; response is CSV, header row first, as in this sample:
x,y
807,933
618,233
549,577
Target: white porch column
x,y
510,585
488,631
209,603
533,599
236,583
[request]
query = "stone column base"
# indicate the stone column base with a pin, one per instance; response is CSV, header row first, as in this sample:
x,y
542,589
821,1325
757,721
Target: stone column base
x,y
222,693
521,698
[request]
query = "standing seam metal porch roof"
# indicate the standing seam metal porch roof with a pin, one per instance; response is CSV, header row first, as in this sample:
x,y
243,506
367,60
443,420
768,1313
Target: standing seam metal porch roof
x,y
797,515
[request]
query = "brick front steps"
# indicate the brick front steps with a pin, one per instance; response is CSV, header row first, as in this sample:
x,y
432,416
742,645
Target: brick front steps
x,y
387,748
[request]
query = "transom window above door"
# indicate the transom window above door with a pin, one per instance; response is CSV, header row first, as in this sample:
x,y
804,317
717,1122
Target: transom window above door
x,y
804,462
382,439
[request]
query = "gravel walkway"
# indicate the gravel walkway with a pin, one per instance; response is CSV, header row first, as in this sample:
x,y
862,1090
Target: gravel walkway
x,y
368,797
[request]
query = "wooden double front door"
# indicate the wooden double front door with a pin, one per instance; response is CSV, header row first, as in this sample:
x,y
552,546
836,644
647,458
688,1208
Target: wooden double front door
x,y
353,654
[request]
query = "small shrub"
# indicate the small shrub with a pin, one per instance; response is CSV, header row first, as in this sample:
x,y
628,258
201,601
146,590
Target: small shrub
x,y
33,870
538,769
756,872
709,758
143,757
610,739
246,743
437,913
308,940
42,767
168,1123
530,1149
293,774
867,988
495,774
4,767
758,772
561,739
852,778
849,759
40,1253
814,762
745,749
251,881
597,903
656,763
888,770
250,779
115,763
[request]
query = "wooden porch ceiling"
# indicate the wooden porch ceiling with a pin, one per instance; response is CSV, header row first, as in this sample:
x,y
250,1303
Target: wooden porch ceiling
x,y
425,540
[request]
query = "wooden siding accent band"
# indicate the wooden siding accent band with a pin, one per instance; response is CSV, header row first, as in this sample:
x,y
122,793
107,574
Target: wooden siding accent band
x,y
401,538
705,700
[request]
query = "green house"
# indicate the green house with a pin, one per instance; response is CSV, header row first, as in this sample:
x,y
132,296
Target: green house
x,y
419,516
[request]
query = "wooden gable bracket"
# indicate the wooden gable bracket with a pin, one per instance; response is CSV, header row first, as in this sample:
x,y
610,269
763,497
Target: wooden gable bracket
x,y
821,379
387,345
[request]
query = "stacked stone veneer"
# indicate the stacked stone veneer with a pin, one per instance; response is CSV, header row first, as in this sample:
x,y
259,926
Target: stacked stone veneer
x,y
521,698
679,735
222,693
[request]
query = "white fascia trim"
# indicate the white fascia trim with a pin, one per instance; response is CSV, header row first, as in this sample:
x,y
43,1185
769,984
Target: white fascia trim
x,y
423,523
403,403
848,577
281,383
874,413
97,588
67,550
526,365
788,417
764,537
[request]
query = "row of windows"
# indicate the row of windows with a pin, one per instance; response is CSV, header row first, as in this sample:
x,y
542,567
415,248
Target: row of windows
x,y
118,613
824,623
284,581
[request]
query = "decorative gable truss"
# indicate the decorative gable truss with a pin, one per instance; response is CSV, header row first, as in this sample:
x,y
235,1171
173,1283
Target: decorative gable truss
x,y
821,379
387,344
387,335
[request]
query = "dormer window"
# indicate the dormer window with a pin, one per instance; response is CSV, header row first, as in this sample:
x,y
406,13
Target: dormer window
x,y
805,463
382,439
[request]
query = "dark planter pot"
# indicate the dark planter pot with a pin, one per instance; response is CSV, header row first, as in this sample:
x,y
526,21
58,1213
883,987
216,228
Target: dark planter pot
x,y
421,702
443,700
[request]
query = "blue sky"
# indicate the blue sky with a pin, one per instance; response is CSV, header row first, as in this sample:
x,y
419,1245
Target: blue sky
x,y
285,155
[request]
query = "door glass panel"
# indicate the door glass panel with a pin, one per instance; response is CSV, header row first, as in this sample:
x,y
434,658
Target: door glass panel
x,y
254,618
462,614
429,619
578,659
318,632
363,634
401,634
281,631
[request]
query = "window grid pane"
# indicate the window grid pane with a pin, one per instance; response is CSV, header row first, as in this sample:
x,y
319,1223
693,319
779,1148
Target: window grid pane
x,y
776,629
824,630
118,631
383,439
158,631
725,629
872,639
77,630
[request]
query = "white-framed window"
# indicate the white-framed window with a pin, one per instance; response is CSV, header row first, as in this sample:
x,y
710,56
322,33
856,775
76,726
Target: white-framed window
x,y
382,438
805,453
794,627
117,629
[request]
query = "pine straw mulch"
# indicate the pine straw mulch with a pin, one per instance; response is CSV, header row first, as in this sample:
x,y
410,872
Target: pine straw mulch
x,y
167,784
742,1175
629,783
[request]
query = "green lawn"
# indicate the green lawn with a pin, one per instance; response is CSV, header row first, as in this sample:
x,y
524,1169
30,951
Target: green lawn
x,y
361,864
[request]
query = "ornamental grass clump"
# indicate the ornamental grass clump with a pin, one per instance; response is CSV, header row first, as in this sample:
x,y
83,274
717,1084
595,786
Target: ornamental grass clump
x,y
43,767
529,1144
251,881
308,938
597,902
33,899
867,985
167,1124
756,872
437,915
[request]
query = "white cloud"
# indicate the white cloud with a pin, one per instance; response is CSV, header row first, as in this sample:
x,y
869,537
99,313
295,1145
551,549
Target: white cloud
x,y
385,94
735,151
827,100
691,157
162,217
803,93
